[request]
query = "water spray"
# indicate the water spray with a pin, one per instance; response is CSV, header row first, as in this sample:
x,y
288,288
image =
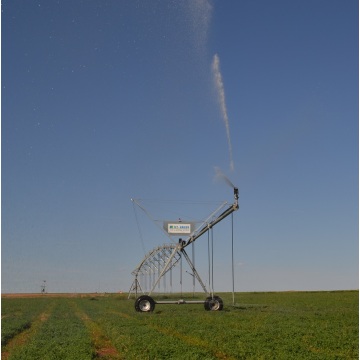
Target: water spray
x,y
221,175
221,97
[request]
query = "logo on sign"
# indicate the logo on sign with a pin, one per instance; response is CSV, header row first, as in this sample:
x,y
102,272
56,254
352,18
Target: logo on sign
x,y
179,228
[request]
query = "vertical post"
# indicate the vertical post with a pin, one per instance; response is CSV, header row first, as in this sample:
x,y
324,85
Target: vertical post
x,y
181,274
136,285
209,274
212,262
232,257
159,271
171,279
164,276
193,261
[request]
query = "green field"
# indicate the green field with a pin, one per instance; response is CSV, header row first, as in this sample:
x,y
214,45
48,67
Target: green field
x,y
279,325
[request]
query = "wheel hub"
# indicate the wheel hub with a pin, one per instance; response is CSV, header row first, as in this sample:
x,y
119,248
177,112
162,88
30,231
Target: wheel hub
x,y
144,305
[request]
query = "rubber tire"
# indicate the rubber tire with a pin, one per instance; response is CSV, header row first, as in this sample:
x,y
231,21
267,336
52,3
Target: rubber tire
x,y
213,303
144,303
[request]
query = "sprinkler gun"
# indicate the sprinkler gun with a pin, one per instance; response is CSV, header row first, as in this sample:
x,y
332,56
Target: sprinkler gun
x,y
236,194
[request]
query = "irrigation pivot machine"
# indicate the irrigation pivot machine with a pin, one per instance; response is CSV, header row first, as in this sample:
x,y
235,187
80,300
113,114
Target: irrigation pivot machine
x,y
162,259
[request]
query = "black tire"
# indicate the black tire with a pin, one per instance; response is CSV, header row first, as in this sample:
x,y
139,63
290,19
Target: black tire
x,y
213,303
144,303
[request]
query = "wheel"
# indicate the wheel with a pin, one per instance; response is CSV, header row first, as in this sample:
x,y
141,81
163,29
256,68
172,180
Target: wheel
x,y
144,303
213,303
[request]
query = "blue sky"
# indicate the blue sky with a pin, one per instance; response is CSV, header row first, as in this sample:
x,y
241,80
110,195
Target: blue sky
x,y
104,101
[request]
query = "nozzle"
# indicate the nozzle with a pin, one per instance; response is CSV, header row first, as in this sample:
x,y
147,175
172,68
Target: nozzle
x,y
236,193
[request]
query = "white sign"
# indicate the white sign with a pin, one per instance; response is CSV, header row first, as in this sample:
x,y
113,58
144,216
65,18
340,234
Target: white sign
x,y
179,228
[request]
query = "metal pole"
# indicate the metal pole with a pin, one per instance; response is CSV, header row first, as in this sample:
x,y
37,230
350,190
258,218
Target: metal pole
x,y
171,288
232,257
209,273
181,275
193,261
212,262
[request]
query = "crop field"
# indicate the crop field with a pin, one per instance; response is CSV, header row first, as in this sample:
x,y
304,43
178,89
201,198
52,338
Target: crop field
x,y
279,325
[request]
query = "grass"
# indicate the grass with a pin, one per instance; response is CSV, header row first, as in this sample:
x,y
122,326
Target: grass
x,y
289,325
18,315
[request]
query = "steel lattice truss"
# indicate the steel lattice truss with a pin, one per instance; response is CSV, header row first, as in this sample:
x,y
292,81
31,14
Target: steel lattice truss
x,y
158,259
